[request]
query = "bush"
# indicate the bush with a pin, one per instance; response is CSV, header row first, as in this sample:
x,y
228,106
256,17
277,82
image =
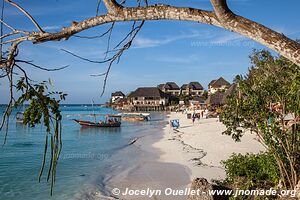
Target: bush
x,y
261,103
254,170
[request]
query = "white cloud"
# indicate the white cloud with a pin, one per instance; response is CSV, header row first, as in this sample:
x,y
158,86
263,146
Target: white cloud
x,y
179,60
207,37
51,28
227,38
142,42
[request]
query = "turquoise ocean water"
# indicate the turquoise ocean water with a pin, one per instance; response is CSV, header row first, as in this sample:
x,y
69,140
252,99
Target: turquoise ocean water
x,y
89,158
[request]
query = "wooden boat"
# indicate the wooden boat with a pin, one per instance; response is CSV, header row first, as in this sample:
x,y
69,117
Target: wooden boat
x,y
135,117
111,121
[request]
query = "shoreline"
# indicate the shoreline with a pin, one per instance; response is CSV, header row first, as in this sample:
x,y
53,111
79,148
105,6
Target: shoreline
x,y
201,146
149,172
172,159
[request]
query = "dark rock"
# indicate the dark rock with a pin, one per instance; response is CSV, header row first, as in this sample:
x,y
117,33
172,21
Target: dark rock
x,y
204,188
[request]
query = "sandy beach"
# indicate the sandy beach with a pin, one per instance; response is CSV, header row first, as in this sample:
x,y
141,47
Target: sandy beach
x,y
201,146
172,159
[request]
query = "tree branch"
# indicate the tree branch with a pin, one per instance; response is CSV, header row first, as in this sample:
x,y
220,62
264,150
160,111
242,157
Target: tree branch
x,y
27,14
276,41
112,6
156,12
221,10
257,32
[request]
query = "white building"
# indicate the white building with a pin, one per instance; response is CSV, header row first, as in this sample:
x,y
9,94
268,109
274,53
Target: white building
x,y
192,89
170,88
117,95
218,85
148,98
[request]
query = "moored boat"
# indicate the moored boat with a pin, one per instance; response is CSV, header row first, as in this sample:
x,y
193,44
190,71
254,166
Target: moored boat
x,y
134,117
111,121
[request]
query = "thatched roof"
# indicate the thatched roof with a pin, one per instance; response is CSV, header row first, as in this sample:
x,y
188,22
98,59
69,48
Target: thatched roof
x,y
196,86
215,99
118,93
184,86
161,86
229,92
173,85
192,85
148,92
219,83
169,86
211,82
200,99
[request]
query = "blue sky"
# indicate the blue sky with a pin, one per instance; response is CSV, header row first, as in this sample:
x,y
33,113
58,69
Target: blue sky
x,y
163,51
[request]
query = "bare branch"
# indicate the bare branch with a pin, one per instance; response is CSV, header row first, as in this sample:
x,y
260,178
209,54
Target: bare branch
x,y
27,14
8,26
97,36
117,56
85,59
97,75
41,68
129,34
98,7
276,41
108,40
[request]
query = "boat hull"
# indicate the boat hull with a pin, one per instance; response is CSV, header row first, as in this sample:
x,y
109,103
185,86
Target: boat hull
x,y
134,119
99,125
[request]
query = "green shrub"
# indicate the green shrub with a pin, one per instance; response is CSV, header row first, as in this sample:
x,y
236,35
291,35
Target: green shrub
x,y
251,171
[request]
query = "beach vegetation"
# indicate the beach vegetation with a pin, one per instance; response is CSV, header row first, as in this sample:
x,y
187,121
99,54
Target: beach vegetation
x,y
205,94
184,98
44,108
267,103
252,171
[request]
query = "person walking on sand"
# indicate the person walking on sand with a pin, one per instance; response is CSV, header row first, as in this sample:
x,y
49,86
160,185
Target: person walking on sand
x,y
193,118
206,113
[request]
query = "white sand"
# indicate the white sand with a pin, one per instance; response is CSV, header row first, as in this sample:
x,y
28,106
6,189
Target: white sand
x,y
172,159
201,147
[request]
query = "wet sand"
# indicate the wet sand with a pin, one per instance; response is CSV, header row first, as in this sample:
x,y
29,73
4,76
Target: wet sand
x,y
172,159
149,173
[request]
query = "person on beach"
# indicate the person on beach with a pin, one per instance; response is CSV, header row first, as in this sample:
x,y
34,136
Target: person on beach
x,y
193,118
206,113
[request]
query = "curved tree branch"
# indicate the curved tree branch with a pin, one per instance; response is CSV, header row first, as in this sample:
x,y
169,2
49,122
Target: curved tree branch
x,y
220,17
221,9
257,32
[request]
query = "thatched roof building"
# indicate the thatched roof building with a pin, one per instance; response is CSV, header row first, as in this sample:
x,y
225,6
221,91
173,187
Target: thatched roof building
x,y
192,85
118,93
148,99
148,92
168,86
229,92
215,99
218,83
